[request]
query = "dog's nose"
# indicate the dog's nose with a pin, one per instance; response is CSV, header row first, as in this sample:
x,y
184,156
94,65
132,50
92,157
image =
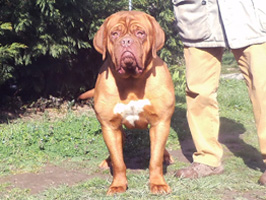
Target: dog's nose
x,y
126,42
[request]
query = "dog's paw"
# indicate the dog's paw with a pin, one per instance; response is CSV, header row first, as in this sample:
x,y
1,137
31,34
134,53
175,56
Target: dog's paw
x,y
160,189
167,158
116,189
105,164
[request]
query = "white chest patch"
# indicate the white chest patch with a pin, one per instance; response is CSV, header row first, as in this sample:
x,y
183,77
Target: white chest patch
x,y
130,111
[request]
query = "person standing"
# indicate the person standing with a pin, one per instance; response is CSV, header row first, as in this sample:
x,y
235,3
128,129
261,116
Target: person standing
x,y
206,27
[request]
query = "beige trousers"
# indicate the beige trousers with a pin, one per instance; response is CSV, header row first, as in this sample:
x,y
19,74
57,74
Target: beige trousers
x,y
203,68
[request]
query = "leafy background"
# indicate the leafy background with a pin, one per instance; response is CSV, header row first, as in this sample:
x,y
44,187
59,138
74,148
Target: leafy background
x,y
46,45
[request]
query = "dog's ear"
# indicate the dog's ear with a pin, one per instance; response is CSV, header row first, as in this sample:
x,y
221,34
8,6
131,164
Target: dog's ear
x,y
158,35
100,40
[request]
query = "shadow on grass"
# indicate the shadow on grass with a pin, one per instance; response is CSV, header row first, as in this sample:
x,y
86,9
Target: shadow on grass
x,y
137,150
230,136
180,126
7,116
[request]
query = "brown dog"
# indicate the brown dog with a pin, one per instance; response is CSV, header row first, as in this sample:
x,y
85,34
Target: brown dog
x,y
134,88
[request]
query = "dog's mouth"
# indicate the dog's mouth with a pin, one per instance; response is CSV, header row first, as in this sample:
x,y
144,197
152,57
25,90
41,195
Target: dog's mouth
x,y
129,64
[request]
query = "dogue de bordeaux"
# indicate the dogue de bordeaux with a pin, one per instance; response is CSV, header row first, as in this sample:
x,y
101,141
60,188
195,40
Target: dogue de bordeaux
x,y
134,88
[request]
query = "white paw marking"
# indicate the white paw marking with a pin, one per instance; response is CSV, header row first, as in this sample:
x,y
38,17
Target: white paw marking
x,y
130,111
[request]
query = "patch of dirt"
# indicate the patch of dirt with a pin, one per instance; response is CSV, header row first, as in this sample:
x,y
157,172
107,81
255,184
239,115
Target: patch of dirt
x,y
54,176
49,176
53,113
245,195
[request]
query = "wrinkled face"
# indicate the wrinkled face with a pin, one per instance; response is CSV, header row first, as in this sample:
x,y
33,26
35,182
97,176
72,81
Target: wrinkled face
x,y
131,41
127,46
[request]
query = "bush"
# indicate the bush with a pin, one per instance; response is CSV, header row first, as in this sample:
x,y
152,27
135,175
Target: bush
x,y
47,46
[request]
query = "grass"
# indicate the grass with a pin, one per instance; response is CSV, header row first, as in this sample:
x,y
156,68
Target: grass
x,y
229,63
27,145
75,142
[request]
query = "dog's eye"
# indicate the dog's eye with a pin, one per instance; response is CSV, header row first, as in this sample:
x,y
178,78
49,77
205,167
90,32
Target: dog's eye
x,y
140,34
115,34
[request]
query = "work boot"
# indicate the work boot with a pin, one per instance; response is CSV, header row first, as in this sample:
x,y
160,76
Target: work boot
x,y
197,170
262,179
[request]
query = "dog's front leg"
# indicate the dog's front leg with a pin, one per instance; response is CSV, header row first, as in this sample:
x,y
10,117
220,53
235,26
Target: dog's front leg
x,y
114,139
158,137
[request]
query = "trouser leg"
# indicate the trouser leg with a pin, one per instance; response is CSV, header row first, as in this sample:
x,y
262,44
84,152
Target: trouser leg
x,y
203,68
252,62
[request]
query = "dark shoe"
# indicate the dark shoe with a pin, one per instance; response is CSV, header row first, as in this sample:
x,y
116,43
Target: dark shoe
x,y
197,170
262,179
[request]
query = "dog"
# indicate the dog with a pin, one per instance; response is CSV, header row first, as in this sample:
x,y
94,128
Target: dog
x,y
133,88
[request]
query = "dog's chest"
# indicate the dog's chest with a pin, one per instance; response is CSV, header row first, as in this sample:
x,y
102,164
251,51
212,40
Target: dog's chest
x,y
132,111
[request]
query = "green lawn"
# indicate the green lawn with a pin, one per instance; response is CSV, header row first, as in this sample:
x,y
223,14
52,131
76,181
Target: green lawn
x,y
74,142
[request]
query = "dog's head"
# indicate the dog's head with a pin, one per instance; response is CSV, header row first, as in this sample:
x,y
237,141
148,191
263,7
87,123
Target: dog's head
x,y
131,39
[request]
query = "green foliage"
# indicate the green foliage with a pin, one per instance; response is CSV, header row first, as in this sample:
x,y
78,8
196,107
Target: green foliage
x,y
179,79
7,52
47,44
